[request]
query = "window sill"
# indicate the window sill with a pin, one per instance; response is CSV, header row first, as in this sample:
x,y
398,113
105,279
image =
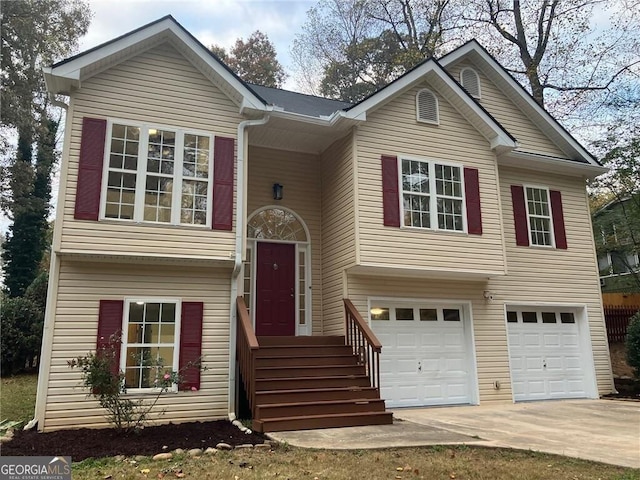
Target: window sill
x,y
435,230
114,221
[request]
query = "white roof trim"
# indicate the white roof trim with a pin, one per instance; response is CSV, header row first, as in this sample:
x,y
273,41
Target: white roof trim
x,y
501,138
162,30
474,47
534,161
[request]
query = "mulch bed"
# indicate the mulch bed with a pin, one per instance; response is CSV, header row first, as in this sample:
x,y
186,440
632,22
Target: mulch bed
x,y
627,388
96,443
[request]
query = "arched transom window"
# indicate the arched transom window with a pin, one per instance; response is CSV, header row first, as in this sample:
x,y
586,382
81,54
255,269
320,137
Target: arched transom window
x,y
276,224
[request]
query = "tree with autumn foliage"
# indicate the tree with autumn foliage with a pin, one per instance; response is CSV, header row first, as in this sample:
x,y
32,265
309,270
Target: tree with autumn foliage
x,y
253,60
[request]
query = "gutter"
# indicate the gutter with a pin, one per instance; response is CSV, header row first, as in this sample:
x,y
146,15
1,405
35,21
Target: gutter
x,y
237,267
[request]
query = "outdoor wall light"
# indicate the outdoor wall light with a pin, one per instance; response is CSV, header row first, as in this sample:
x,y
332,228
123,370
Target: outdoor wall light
x,y
277,191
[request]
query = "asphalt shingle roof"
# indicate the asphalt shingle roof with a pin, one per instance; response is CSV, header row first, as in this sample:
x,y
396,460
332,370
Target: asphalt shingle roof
x,y
299,102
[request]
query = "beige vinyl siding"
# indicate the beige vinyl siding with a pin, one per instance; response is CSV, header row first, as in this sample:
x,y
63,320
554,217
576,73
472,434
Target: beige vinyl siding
x,y
338,229
393,130
80,289
492,358
158,87
530,138
539,274
299,173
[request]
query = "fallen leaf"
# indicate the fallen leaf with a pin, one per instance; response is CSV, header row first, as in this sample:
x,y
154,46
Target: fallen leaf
x,y
180,475
407,468
416,471
145,471
452,476
108,477
399,469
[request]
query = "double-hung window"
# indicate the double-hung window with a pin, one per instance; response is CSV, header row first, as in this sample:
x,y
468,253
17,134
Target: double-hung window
x,y
432,195
150,341
539,216
160,175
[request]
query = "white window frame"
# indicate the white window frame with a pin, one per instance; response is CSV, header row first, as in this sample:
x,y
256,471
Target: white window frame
x,y
141,173
529,216
433,196
479,95
435,97
175,365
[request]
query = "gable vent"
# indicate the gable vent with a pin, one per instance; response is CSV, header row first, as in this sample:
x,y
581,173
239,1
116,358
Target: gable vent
x,y
427,107
470,81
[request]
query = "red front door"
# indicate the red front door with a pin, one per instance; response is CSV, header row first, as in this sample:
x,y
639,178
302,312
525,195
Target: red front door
x,y
275,289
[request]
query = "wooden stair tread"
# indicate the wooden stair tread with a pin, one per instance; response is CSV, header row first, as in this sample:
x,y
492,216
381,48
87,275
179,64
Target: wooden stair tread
x,y
322,402
355,388
328,415
328,377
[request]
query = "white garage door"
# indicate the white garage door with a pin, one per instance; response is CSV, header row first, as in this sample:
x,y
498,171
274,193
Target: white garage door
x,y
545,354
425,354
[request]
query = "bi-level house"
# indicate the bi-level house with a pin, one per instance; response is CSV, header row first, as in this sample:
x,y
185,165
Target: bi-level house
x,y
430,245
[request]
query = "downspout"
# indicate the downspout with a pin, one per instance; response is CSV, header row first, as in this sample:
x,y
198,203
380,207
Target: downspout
x,y
237,267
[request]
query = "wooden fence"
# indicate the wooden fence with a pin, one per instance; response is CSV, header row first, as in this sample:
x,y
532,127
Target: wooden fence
x,y
617,320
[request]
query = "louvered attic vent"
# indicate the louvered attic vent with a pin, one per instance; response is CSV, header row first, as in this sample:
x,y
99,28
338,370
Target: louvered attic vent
x,y
427,107
470,81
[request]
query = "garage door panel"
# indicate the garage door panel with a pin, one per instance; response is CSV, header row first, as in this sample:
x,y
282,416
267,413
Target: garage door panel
x,y
423,363
546,360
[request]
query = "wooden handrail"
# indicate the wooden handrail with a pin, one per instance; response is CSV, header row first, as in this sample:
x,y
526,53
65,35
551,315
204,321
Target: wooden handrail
x,y
244,322
366,331
247,347
363,342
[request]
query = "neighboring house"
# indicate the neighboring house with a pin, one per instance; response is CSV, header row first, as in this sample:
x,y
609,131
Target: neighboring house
x,y
616,228
453,220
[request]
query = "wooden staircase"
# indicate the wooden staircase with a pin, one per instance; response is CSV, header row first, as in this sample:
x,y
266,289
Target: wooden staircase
x,y
298,383
312,382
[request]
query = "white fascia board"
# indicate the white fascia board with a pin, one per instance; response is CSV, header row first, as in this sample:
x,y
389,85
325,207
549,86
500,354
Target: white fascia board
x,y
500,139
475,48
548,164
73,69
392,89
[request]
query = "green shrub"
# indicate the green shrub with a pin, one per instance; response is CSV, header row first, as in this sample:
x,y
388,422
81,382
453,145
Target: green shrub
x,y
21,322
633,343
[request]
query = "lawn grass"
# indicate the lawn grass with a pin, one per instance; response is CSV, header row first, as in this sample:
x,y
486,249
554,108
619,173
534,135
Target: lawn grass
x,y
448,463
18,397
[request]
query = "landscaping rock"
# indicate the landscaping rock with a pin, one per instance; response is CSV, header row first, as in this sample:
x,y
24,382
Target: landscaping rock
x,y
119,458
244,446
210,451
178,451
224,446
163,456
195,452
139,458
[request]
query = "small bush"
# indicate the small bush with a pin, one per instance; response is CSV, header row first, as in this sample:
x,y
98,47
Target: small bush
x,y
106,383
633,344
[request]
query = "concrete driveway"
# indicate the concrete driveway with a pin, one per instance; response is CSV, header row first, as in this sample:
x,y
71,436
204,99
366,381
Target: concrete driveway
x,y
601,430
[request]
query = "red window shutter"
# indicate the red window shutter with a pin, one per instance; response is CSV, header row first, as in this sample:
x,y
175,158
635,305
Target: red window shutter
x,y
223,151
390,194
520,215
472,197
558,219
90,169
190,344
110,325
